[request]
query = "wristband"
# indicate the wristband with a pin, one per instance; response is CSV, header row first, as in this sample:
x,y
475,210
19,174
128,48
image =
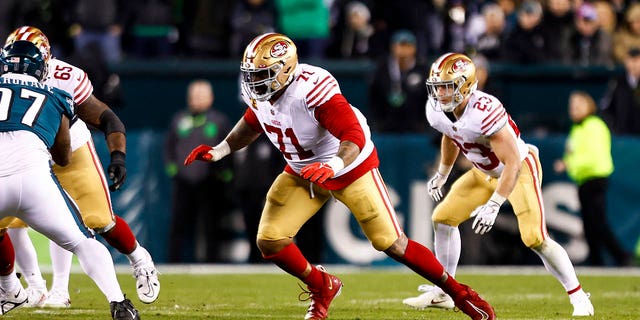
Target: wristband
x,y
497,198
118,156
220,151
336,163
444,170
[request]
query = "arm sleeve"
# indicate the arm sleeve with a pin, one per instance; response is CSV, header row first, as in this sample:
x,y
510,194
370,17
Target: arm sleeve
x,y
337,116
252,120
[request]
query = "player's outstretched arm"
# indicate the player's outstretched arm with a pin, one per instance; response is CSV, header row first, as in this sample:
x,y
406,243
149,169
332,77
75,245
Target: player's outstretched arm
x,y
61,149
240,136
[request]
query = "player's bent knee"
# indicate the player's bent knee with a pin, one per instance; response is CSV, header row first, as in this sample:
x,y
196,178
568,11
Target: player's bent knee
x,y
270,233
99,223
72,244
12,222
532,239
441,219
382,243
441,216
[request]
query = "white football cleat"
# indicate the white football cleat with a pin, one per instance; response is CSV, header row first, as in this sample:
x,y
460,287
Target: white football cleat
x,y
37,297
433,297
147,283
582,306
10,300
58,299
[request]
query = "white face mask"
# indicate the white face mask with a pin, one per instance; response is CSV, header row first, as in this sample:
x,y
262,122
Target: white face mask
x,y
261,84
445,94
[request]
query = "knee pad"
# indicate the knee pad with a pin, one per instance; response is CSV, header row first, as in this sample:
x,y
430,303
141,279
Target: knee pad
x,y
441,216
12,222
270,233
531,239
382,242
99,224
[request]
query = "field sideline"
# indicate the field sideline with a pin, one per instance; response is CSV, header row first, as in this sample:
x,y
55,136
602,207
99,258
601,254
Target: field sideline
x,y
242,292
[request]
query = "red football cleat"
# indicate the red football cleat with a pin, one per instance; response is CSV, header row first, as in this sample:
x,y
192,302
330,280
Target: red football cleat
x,y
321,297
472,305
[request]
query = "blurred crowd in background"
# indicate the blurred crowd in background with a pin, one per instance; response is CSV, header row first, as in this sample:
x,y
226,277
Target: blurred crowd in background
x,y
402,37
529,31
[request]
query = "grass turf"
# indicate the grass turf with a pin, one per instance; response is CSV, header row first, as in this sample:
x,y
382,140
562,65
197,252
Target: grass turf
x,y
370,294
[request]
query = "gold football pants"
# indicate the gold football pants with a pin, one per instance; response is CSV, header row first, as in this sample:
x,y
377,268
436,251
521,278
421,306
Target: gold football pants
x,y
474,188
291,202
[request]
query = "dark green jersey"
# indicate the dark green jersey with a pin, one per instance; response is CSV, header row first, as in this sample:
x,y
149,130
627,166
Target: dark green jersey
x,y
32,106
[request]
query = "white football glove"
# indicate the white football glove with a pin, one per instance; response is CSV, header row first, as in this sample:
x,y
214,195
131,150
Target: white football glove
x,y
485,217
434,186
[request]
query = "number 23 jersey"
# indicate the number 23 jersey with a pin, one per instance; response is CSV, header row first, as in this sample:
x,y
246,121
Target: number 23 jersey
x,y
483,116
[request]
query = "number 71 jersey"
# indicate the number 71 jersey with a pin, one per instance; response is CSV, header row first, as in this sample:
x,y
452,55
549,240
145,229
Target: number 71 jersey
x,y
483,116
291,124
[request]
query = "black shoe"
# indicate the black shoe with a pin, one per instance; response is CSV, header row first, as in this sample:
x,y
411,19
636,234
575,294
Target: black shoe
x,y
124,310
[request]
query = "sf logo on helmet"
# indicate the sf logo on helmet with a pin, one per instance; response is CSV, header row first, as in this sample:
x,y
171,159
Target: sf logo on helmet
x,y
279,49
460,65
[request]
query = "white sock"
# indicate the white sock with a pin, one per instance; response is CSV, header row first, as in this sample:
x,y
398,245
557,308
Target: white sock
x,y
10,283
97,264
27,257
557,262
447,247
61,263
138,254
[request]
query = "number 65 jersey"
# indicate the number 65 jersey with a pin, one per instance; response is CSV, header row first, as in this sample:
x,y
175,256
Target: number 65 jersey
x,y
483,116
74,81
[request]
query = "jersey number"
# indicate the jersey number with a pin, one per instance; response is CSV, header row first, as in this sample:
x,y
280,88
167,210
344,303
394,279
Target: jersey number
x,y
33,111
484,151
63,73
483,104
304,75
288,132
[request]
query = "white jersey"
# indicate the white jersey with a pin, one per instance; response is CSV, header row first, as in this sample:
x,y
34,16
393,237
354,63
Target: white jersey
x,y
292,127
74,81
483,116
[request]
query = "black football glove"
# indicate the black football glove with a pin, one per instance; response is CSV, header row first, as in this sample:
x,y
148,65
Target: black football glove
x,y
117,170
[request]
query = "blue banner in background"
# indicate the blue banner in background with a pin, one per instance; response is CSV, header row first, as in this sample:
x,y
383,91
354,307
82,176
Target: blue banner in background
x,y
144,201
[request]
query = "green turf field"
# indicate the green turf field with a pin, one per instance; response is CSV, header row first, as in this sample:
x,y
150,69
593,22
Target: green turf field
x,y
370,294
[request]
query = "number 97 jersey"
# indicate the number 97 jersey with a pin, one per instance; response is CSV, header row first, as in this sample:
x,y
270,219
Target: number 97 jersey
x,y
483,116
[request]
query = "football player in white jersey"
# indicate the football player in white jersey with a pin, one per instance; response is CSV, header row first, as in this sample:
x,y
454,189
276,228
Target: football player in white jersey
x,y
86,183
477,125
34,129
329,153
